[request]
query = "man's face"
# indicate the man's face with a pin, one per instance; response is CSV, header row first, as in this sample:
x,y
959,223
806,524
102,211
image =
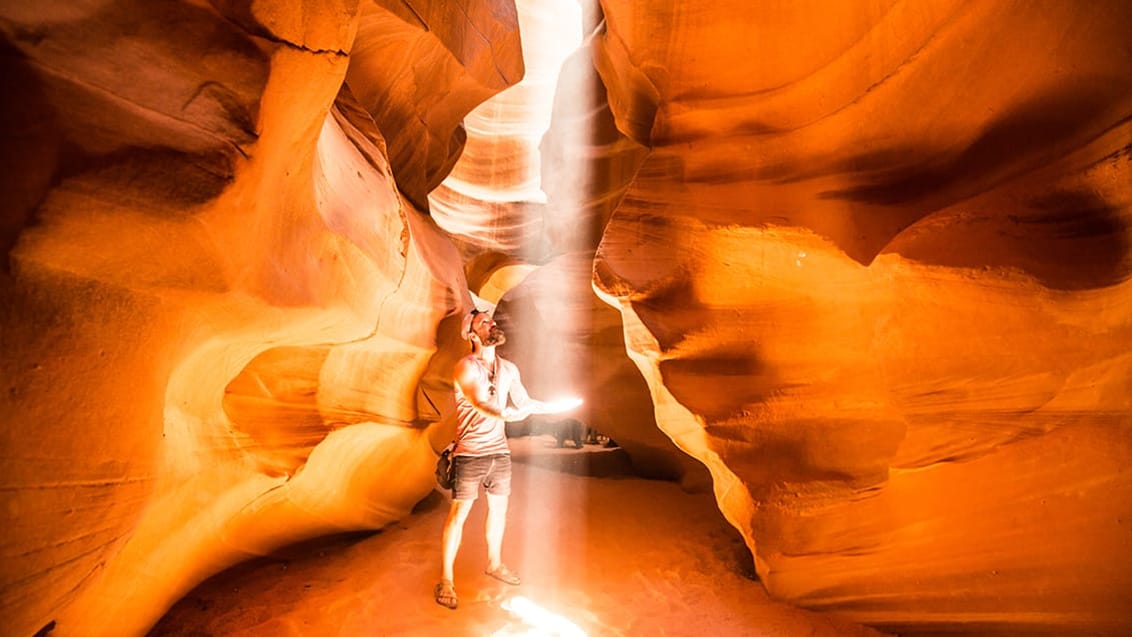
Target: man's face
x,y
484,327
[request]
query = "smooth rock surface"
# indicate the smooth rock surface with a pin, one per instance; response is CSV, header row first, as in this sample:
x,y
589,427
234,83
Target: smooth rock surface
x,y
859,269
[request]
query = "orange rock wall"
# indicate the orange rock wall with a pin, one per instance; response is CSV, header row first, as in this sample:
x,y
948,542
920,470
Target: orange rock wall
x,y
219,306
868,263
875,270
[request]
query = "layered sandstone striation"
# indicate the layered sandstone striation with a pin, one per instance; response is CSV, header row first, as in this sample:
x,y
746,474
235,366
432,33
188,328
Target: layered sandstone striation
x,y
879,283
220,305
863,266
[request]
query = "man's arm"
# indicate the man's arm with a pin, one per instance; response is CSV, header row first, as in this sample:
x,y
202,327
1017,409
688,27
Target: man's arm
x,y
527,406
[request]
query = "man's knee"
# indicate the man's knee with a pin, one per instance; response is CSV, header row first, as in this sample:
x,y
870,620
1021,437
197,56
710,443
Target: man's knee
x,y
459,510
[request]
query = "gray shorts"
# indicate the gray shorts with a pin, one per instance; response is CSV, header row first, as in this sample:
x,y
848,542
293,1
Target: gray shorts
x,y
493,472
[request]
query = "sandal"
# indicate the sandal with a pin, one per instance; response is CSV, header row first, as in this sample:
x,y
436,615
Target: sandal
x,y
445,594
503,574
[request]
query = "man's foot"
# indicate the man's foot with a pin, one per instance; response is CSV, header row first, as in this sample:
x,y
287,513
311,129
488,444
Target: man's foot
x,y
503,574
446,594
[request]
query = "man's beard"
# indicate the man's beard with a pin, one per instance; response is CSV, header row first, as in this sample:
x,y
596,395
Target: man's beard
x,y
495,337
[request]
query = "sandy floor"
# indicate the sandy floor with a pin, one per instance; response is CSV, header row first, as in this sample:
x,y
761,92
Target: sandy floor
x,y
600,552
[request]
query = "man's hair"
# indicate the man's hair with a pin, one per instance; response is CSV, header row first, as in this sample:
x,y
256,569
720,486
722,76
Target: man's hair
x,y
466,326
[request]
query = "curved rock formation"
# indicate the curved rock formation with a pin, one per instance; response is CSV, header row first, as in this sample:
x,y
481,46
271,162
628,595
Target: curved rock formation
x,y
866,263
219,312
418,68
879,284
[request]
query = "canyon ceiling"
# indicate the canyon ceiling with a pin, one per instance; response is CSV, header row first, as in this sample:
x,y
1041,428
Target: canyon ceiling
x,y
862,268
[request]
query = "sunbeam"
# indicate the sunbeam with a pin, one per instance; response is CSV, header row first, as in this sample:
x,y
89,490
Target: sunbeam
x,y
539,621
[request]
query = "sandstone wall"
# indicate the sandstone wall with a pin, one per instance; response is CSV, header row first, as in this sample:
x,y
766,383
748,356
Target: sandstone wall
x,y
868,263
218,304
875,270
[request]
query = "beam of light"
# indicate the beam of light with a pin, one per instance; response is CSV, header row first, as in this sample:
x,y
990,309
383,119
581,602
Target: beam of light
x,y
498,197
539,621
552,34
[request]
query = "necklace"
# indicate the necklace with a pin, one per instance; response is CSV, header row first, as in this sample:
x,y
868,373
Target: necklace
x,y
491,373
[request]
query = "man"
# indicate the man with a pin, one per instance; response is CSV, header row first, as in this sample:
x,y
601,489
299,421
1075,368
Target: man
x,y
484,383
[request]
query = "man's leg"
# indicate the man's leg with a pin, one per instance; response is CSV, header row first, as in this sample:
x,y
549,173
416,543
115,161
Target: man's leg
x,y
453,534
496,524
445,592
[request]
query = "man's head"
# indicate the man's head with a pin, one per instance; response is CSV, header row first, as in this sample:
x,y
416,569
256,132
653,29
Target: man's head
x,y
479,328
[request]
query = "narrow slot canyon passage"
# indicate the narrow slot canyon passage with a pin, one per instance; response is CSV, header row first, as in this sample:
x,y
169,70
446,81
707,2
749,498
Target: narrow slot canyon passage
x,y
849,285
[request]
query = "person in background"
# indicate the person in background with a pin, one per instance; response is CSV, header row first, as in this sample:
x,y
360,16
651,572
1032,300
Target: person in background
x,y
489,393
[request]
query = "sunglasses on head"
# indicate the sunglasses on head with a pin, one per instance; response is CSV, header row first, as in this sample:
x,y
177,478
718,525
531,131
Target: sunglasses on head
x,y
472,323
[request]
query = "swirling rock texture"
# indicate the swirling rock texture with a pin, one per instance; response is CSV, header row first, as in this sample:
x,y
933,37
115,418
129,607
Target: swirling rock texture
x,y
868,263
875,270
220,306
